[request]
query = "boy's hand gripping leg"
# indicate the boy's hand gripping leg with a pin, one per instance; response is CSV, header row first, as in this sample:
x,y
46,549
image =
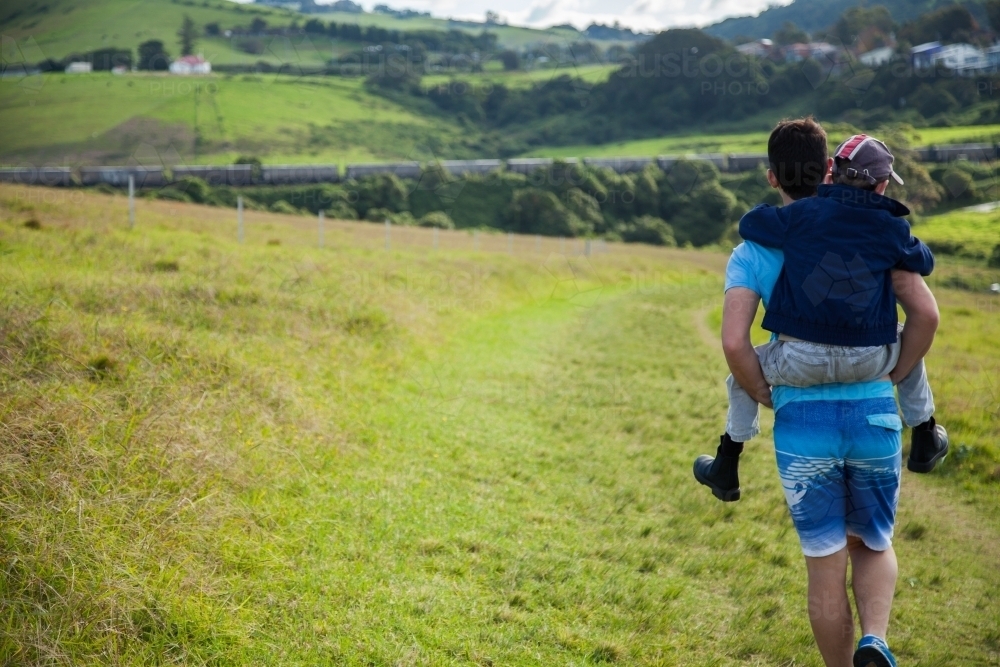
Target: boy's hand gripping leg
x,y
928,439
721,473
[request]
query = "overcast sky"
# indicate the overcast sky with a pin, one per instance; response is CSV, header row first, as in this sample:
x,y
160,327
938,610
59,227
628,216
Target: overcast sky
x,y
641,15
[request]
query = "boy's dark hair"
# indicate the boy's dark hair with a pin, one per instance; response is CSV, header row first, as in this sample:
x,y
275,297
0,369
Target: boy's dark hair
x,y
859,181
797,153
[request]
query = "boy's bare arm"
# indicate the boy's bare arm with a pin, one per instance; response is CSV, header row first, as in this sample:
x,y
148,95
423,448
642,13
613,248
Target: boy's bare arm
x,y
738,312
922,318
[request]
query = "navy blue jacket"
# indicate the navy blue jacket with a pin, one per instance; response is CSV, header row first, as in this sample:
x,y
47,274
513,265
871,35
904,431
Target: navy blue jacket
x,y
840,247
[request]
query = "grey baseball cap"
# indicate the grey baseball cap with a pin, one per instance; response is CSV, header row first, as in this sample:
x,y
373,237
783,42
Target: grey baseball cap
x,y
870,159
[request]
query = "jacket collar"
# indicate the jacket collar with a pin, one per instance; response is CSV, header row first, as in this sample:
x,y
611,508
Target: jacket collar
x,y
845,194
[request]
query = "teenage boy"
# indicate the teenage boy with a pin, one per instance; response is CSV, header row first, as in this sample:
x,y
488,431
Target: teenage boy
x,y
837,445
834,319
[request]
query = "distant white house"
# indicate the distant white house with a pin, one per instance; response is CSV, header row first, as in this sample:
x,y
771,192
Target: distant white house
x,y
821,51
191,65
993,56
877,57
759,48
961,58
922,55
79,68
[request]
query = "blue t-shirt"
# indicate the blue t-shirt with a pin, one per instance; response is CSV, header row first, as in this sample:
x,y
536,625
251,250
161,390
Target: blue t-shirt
x,y
757,268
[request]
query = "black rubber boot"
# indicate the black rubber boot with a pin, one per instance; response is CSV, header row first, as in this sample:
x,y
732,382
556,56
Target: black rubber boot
x,y
721,474
928,446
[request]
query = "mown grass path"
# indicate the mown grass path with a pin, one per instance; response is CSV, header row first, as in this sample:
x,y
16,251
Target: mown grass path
x,y
530,501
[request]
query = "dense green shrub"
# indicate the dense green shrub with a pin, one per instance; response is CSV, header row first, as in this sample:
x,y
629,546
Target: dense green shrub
x,y
959,184
537,211
281,206
688,204
382,191
341,210
438,219
994,259
647,229
153,56
703,216
931,100
194,188
378,214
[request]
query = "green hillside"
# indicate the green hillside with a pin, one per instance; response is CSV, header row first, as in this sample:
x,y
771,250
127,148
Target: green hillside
x,y
57,28
100,118
755,141
811,15
510,36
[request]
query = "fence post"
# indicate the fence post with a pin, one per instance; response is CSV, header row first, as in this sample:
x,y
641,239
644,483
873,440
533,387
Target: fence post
x,y
239,217
586,248
562,245
131,201
436,230
322,215
388,234
475,239
538,242
510,242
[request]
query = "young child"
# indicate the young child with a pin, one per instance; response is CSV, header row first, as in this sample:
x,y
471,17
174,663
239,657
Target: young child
x,y
832,313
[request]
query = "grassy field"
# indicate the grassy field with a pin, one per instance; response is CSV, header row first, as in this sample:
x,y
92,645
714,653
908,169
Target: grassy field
x,y
281,119
509,36
520,79
276,453
755,142
58,28
967,234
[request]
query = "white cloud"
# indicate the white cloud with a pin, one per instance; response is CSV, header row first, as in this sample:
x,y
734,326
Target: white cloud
x,y
640,15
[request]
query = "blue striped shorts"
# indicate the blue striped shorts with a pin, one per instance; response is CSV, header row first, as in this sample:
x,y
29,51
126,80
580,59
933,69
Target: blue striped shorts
x,y
840,466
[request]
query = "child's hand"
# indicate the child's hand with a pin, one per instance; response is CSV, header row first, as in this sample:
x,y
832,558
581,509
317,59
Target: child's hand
x,y
763,396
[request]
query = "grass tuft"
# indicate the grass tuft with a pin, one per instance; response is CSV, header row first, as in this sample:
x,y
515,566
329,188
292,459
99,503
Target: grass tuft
x,y
101,367
367,322
32,223
166,266
914,531
605,653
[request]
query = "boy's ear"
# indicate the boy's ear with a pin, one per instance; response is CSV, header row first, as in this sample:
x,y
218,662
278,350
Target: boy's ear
x,y
880,188
828,179
772,180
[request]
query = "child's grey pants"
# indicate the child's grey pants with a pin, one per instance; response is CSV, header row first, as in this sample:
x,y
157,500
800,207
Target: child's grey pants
x,y
804,364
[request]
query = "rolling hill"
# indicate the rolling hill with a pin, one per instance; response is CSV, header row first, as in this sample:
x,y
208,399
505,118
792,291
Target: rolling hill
x,y
811,15
149,117
54,29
